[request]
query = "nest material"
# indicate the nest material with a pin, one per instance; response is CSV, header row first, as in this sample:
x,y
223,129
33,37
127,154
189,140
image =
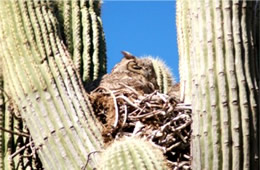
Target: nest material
x,y
159,118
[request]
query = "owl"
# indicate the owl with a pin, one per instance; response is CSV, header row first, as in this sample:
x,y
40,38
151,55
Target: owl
x,y
130,79
131,73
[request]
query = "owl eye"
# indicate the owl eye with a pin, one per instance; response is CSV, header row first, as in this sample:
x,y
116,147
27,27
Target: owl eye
x,y
135,66
132,65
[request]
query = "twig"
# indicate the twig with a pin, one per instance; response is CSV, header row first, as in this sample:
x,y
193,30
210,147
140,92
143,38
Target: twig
x,y
116,110
89,154
158,146
20,150
11,104
138,127
173,146
186,156
162,97
181,116
183,163
183,107
2,89
128,101
15,133
148,96
183,125
125,116
147,115
136,110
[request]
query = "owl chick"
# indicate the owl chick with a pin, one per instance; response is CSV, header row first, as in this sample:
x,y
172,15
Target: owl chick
x,y
136,73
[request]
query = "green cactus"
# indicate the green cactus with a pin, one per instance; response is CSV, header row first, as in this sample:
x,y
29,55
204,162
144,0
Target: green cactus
x,y
43,82
219,71
132,153
84,36
48,48
164,76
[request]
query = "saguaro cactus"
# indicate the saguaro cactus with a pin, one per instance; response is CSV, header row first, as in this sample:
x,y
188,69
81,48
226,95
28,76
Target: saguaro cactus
x,y
41,79
83,35
164,77
132,153
219,69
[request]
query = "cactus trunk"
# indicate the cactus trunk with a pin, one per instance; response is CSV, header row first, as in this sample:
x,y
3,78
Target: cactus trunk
x,y
43,68
219,70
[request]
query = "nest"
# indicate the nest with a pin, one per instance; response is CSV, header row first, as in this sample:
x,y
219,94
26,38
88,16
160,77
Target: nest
x,y
159,118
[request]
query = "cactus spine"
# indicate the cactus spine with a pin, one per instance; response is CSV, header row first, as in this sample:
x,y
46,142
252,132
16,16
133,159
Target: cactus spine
x,y
219,70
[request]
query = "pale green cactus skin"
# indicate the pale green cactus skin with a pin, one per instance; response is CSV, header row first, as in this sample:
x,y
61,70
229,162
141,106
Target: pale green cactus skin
x,y
219,70
41,78
164,76
84,36
132,153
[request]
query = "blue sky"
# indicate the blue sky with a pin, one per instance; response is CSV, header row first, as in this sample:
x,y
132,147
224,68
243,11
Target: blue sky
x,y
142,28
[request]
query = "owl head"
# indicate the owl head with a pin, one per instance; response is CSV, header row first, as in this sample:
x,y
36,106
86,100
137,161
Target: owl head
x,y
141,66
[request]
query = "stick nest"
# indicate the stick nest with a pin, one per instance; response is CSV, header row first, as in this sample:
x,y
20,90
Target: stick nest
x,y
159,118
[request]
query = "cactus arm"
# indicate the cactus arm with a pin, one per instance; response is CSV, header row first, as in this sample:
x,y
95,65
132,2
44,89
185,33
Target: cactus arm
x,y
184,49
67,10
102,46
132,153
163,74
87,45
95,40
159,75
85,37
76,27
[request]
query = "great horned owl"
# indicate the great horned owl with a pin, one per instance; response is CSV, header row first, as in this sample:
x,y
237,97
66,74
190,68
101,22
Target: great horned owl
x,y
136,73
130,79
